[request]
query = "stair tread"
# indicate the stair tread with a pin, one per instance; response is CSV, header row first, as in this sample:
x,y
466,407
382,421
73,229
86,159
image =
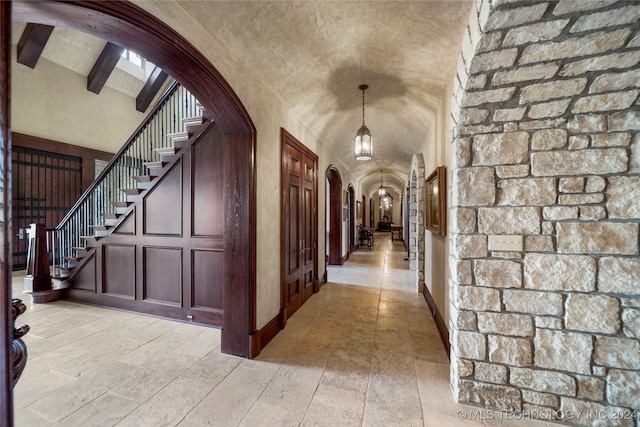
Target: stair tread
x,y
112,216
121,204
144,178
165,151
100,227
131,191
154,165
179,135
196,120
81,248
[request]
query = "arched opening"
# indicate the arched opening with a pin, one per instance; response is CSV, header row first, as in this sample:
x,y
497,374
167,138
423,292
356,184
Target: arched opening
x,y
128,25
415,212
334,209
352,219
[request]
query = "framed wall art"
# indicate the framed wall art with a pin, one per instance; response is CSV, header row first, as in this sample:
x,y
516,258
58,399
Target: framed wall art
x,y
436,195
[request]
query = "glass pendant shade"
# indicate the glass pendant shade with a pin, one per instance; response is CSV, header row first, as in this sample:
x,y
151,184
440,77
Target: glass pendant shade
x,y
363,143
381,190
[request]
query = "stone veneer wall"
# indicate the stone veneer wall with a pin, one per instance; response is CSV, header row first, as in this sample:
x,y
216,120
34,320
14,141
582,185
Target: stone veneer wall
x,y
547,146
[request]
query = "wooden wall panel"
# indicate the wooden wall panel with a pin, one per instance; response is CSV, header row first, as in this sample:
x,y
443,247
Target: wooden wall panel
x,y
207,199
163,205
207,279
128,225
85,279
162,280
119,270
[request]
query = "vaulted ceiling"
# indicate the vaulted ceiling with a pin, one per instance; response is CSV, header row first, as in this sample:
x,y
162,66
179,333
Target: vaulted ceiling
x,y
313,55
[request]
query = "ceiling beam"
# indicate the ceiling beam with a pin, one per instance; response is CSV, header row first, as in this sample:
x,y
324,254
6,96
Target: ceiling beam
x,y
32,42
150,89
103,67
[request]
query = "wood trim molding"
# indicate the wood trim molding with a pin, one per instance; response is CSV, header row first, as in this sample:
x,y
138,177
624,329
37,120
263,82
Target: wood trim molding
x,y
150,89
126,24
268,332
88,155
335,216
440,323
32,42
103,67
6,333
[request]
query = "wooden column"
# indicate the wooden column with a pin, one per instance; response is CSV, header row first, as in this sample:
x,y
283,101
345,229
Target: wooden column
x,y
6,329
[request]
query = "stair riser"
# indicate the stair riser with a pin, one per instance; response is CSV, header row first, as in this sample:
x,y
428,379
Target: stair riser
x,y
144,185
122,211
111,222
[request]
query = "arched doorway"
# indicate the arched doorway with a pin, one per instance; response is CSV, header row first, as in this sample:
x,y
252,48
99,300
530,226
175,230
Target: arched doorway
x,y
415,212
334,209
126,24
352,219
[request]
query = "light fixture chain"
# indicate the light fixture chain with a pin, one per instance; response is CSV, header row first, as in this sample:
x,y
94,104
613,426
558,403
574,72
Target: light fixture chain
x,y
363,107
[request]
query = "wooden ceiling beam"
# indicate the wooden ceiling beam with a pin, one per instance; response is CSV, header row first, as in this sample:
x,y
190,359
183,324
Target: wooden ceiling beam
x,y
32,42
150,89
103,67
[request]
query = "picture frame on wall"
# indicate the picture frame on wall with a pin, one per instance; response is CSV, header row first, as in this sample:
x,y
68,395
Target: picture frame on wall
x,y
436,196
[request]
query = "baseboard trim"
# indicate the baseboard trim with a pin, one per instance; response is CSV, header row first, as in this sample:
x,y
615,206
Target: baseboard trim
x,y
440,323
267,333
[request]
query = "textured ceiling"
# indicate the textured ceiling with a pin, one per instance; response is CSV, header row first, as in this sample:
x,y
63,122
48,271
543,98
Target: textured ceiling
x,y
313,55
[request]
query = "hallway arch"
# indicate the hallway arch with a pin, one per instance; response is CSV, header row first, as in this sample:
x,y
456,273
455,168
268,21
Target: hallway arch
x,y
126,24
416,219
334,221
352,218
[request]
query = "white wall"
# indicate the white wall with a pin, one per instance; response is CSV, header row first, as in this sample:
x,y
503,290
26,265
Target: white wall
x,y
436,152
53,102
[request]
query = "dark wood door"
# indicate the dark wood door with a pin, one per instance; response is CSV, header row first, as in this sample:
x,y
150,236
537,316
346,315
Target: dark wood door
x,y
299,213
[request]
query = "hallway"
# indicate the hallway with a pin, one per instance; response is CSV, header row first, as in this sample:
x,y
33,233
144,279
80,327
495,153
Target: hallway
x,y
363,351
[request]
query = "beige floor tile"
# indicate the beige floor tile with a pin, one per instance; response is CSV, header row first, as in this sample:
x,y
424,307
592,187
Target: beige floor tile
x,y
286,397
106,410
169,406
27,418
29,390
73,396
237,393
364,351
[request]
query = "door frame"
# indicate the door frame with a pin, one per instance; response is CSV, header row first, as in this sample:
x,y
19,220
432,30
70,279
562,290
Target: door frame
x,y
127,24
352,218
6,327
287,139
335,216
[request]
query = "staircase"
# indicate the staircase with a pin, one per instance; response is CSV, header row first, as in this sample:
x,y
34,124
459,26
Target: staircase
x,y
133,171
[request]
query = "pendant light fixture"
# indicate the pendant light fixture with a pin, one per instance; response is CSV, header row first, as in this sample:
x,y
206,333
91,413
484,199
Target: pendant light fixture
x,y
381,190
363,140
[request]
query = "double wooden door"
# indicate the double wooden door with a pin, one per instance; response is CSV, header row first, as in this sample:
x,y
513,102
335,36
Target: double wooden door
x,y
299,224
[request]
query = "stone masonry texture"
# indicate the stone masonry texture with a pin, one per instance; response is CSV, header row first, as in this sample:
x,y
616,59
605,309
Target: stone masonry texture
x,y
546,111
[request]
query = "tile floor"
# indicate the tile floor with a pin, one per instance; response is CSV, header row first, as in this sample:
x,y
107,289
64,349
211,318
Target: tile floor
x,y
364,351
